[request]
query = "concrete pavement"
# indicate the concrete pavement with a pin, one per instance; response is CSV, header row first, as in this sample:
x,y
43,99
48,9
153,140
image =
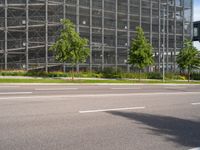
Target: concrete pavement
x,y
107,117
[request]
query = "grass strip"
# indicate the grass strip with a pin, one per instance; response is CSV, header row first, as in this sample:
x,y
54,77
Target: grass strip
x,y
47,80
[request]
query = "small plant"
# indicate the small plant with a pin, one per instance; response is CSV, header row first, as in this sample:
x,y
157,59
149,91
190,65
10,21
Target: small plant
x,y
140,55
111,73
188,58
154,75
70,47
195,76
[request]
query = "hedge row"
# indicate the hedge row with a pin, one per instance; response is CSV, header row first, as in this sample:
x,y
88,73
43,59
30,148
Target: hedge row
x,y
107,73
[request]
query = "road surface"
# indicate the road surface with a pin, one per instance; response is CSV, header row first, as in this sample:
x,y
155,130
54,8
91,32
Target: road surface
x,y
99,117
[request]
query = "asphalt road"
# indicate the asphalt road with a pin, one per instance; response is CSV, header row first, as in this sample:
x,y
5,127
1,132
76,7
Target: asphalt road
x,y
99,117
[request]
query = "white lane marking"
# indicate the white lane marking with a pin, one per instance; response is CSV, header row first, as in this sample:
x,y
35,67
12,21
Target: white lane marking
x,y
101,95
125,88
196,103
198,148
9,86
56,89
176,87
106,110
13,93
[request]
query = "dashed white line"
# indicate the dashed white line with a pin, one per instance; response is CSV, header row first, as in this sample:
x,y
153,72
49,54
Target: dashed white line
x,y
56,89
9,86
107,110
196,103
198,148
100,95
126,88
14,93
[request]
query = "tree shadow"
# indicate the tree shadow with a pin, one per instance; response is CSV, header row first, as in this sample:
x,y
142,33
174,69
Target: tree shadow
x,y
180,131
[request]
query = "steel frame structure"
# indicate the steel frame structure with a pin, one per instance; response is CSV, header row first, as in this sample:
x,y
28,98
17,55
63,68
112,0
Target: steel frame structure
x,y
29,27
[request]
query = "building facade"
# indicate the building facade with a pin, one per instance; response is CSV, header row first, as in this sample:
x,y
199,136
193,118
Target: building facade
x,y
29,27
196,29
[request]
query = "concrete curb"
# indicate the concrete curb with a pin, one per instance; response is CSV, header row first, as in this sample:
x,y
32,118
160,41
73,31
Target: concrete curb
x,y
99,84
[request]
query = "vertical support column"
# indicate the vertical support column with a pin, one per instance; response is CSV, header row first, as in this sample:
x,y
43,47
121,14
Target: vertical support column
x,y
27,35
167,36
6,37
151,21
159,36
64,17
90,35
174,36
46,35
151,26
116,34
191,18
77,16
140,13
163,45
64,9
103,48
77,25
128,34
183,14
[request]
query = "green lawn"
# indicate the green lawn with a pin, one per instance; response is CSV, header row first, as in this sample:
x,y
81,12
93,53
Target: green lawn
x,y
89,81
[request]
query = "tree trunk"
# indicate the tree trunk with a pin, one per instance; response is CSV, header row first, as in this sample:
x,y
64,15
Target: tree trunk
x,y
188,75
72,72
140,75
77,67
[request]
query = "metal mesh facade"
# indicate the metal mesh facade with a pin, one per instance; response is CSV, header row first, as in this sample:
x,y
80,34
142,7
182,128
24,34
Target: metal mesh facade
x,y
29,27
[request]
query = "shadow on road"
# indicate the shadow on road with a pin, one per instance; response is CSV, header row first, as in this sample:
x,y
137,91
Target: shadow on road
x,y
181,131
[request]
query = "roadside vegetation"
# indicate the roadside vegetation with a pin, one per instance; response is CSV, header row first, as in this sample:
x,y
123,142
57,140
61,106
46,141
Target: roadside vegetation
x,y
71,48
108,73
91,81
188,59
140,54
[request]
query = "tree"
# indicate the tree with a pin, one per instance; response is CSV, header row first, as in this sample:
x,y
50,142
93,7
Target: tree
x,y
70,47
140,54
188,58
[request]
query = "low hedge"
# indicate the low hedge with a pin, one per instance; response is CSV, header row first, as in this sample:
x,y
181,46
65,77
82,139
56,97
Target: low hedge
x,y
195,76
107,73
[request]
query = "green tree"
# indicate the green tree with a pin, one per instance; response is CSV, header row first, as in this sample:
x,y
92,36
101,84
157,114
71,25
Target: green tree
x,y
188,58
70,47
140,54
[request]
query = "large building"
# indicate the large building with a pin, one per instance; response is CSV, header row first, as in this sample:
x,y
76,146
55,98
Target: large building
x,y
29,27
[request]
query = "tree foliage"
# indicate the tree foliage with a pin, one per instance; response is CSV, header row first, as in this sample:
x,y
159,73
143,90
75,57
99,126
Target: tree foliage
x,y
188,58
70,47
140,54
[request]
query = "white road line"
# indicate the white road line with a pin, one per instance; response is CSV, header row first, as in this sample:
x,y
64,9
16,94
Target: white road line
x,y
13,93
196,103
176,87
198,148
56,89
9,86
106,110
125,88
100,95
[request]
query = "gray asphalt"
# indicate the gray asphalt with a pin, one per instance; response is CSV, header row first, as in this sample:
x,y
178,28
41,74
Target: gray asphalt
x,y
106,117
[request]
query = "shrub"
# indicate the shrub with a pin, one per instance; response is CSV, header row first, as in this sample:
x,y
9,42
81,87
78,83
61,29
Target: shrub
x,y
111,73
12,73
134,75
154,75
36,74
174,76
195,76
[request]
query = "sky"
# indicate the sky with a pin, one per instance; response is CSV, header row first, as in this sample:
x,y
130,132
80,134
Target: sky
x,y
197,17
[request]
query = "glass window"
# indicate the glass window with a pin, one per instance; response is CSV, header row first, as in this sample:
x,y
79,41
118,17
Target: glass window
x,y
195,32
